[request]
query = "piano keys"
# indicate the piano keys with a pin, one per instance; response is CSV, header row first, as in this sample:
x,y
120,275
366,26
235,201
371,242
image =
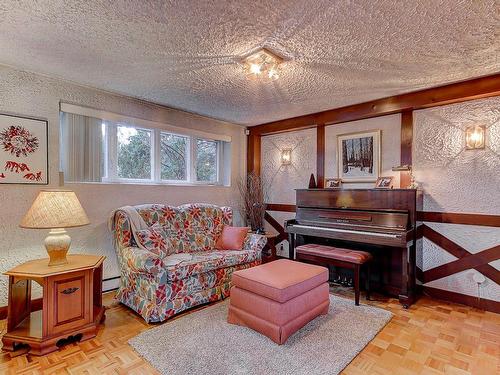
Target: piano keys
x,y
382,222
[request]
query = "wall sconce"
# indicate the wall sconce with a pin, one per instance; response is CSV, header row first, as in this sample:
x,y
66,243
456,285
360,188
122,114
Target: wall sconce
x,y
474,137
286,156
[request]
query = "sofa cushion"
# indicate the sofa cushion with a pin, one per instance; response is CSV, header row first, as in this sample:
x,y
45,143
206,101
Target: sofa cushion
x,y
195,227
231,238
154,239
161,214
205,261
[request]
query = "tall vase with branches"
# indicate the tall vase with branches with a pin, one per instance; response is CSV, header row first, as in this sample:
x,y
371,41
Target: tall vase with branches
x,y
252,203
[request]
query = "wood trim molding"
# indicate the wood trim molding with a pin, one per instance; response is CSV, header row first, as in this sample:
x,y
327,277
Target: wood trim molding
x,y
280,207
483,304
320,159
406,146
482,87
253,154
277,227
460,218
478,261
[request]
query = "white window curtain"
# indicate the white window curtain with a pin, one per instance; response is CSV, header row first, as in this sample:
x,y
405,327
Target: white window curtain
x,y
81,151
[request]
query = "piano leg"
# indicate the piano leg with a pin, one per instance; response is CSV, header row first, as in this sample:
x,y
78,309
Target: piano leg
x,y
406,294
291,246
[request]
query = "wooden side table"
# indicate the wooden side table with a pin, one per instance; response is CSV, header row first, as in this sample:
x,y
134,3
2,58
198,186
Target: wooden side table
x,y
269,252
72,303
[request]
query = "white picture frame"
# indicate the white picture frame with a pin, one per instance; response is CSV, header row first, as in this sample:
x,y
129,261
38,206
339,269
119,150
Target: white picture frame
x,y
23,150
359,156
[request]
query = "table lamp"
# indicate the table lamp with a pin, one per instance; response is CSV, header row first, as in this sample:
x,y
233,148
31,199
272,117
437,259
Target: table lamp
x,y
56,210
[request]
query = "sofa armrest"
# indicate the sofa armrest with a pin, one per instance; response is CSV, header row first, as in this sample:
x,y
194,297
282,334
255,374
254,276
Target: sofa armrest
x,y
143,261
255,242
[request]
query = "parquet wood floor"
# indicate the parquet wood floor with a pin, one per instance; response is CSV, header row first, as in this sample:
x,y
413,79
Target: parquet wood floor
x,y
432,337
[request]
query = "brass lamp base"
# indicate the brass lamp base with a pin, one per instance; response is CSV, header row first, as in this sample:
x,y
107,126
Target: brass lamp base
x,y
57,244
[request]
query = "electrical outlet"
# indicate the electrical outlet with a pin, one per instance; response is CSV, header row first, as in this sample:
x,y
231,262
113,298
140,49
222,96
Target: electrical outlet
x,y
478,278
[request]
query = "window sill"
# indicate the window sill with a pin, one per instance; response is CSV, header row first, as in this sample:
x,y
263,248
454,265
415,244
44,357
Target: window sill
x,y
149,183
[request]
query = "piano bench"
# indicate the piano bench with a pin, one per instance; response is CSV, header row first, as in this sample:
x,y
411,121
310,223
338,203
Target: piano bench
x,y
335,256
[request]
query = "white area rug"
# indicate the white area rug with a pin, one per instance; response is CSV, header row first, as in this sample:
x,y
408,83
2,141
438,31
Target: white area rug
x,y
204,343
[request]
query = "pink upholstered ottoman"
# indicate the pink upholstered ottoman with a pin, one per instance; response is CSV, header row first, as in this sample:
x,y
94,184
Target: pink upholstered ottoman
x,y
278,298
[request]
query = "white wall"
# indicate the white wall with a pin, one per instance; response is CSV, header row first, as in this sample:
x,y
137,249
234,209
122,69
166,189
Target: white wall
x,y
391,145
282,180
458,180
38,96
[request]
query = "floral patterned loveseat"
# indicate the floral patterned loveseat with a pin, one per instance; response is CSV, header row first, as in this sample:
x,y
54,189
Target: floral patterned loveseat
x,y
157,289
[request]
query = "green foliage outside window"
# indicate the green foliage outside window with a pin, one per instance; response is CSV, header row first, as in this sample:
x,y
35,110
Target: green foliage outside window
x,y
173,156
206,160
134,153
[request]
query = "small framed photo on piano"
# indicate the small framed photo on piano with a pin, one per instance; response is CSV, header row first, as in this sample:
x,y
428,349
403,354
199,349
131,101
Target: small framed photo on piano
x,y
384,182
333,183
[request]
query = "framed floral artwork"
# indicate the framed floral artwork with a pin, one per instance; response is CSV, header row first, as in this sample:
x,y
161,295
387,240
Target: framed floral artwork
x,y
23,150
358,158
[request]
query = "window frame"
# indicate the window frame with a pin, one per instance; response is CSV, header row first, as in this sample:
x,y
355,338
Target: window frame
x,y
188,158
111,157
217,161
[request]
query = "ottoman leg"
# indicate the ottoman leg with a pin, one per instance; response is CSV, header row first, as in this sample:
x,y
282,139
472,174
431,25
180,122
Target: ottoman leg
x,y
356,284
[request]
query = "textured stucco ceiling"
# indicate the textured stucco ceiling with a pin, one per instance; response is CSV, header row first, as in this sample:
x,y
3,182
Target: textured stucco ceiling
x,y
182,53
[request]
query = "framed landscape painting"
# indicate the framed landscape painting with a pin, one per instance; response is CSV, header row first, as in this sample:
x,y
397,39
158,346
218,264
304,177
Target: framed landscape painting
x,y
358,158
23,150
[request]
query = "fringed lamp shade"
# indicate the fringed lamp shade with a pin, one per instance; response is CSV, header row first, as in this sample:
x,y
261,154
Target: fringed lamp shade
x,y
55,209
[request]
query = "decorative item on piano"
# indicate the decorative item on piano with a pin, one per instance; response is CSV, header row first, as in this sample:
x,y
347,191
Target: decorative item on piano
x,y
384,182
358,156
407,168
333,183
312,182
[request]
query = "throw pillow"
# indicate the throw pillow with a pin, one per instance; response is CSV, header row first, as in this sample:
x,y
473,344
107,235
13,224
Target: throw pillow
x,y
232,238
154,239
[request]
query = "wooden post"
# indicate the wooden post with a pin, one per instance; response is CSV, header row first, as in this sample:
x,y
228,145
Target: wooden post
x,y
320,155
406,146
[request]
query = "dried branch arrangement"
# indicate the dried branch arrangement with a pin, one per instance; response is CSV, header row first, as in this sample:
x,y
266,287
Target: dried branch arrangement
x,y
252,203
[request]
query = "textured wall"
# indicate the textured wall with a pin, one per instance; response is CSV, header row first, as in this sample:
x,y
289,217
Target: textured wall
x,y
391,145
35,95
281,180
459,180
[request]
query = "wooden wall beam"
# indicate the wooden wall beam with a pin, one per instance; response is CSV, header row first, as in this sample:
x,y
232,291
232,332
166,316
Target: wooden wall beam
x,y
253,153
280,207
406,146
320,155
452,93
460,218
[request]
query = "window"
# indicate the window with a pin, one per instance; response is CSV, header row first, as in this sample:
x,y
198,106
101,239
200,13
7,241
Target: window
x,y
138,154
206,160
133,153
174,152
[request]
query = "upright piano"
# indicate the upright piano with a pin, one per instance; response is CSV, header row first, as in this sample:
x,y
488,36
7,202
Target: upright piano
x,y
381,221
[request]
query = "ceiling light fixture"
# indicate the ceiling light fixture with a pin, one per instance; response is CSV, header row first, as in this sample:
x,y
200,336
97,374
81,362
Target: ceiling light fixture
x,y
262,64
